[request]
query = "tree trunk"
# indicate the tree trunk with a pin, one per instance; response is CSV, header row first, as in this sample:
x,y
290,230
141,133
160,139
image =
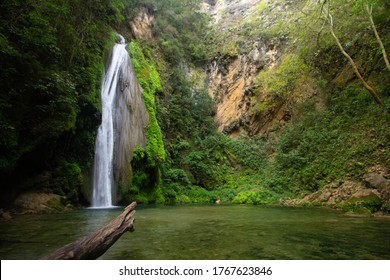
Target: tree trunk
x,y
353,64
98,243
369,11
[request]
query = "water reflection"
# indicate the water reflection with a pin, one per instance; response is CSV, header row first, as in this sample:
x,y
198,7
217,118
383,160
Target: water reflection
x,y
207,232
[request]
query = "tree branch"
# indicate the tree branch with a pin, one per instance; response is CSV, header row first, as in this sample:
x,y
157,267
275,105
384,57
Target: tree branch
x,y
369,12
98,243
352,62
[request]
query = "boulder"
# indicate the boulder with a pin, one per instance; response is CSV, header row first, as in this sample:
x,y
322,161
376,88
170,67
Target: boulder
x,y
32,202
5,215
375,181
349,195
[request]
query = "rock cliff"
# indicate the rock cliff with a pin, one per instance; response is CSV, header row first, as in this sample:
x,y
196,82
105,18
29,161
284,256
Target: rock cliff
x,y
231,75
141,25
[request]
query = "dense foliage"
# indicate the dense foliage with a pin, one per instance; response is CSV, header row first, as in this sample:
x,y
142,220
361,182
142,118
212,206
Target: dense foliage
x,y
51,68
339,143
301,157
146,181
52,57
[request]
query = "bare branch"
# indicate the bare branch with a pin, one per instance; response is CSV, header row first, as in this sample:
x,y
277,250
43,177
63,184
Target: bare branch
x,y
369,12
351,61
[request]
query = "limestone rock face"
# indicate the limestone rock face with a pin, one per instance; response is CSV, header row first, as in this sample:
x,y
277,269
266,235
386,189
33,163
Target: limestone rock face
x,y
228,12
141,25
229,80
376,181
231,76
230,86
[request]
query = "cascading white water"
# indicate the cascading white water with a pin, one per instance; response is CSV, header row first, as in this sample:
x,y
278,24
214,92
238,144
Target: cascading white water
x,y
104,149
124,118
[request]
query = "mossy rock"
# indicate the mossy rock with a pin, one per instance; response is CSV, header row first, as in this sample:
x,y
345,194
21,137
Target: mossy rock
x,y
56,204
370,202
358,211
39,203
386,207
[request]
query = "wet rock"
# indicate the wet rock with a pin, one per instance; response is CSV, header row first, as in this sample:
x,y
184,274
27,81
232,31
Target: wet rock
x,y
5,215
30,203
324,197
376,181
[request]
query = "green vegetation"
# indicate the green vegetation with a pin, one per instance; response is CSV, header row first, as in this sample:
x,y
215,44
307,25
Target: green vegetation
x,y
146,178
370,204
278,84
150,82
338,143
177,28
319,146
49,103
282,79
52,64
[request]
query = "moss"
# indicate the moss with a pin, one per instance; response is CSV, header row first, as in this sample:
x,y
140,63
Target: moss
x,y
357,209
371,203
146,176
150,82
55,204
145,186
282,79
262,106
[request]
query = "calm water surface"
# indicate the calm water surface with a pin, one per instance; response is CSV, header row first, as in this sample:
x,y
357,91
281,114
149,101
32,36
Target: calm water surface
x,y
207,232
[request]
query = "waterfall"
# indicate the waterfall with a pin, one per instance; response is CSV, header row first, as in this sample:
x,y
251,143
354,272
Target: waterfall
x,y
123,120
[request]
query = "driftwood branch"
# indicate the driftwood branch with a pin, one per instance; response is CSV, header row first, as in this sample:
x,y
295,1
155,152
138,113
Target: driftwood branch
x,y
98,243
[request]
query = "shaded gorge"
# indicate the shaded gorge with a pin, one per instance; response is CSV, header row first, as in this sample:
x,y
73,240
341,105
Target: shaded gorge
x,y
207,232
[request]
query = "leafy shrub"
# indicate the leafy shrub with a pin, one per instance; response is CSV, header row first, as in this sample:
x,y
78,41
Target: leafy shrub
x,y
338,143
257,196
68,180
176,175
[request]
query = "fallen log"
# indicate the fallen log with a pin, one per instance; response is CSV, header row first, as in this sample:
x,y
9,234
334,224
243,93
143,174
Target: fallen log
x,y
95,245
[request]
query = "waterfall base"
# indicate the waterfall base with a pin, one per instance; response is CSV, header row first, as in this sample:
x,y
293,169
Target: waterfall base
x,y
103,207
